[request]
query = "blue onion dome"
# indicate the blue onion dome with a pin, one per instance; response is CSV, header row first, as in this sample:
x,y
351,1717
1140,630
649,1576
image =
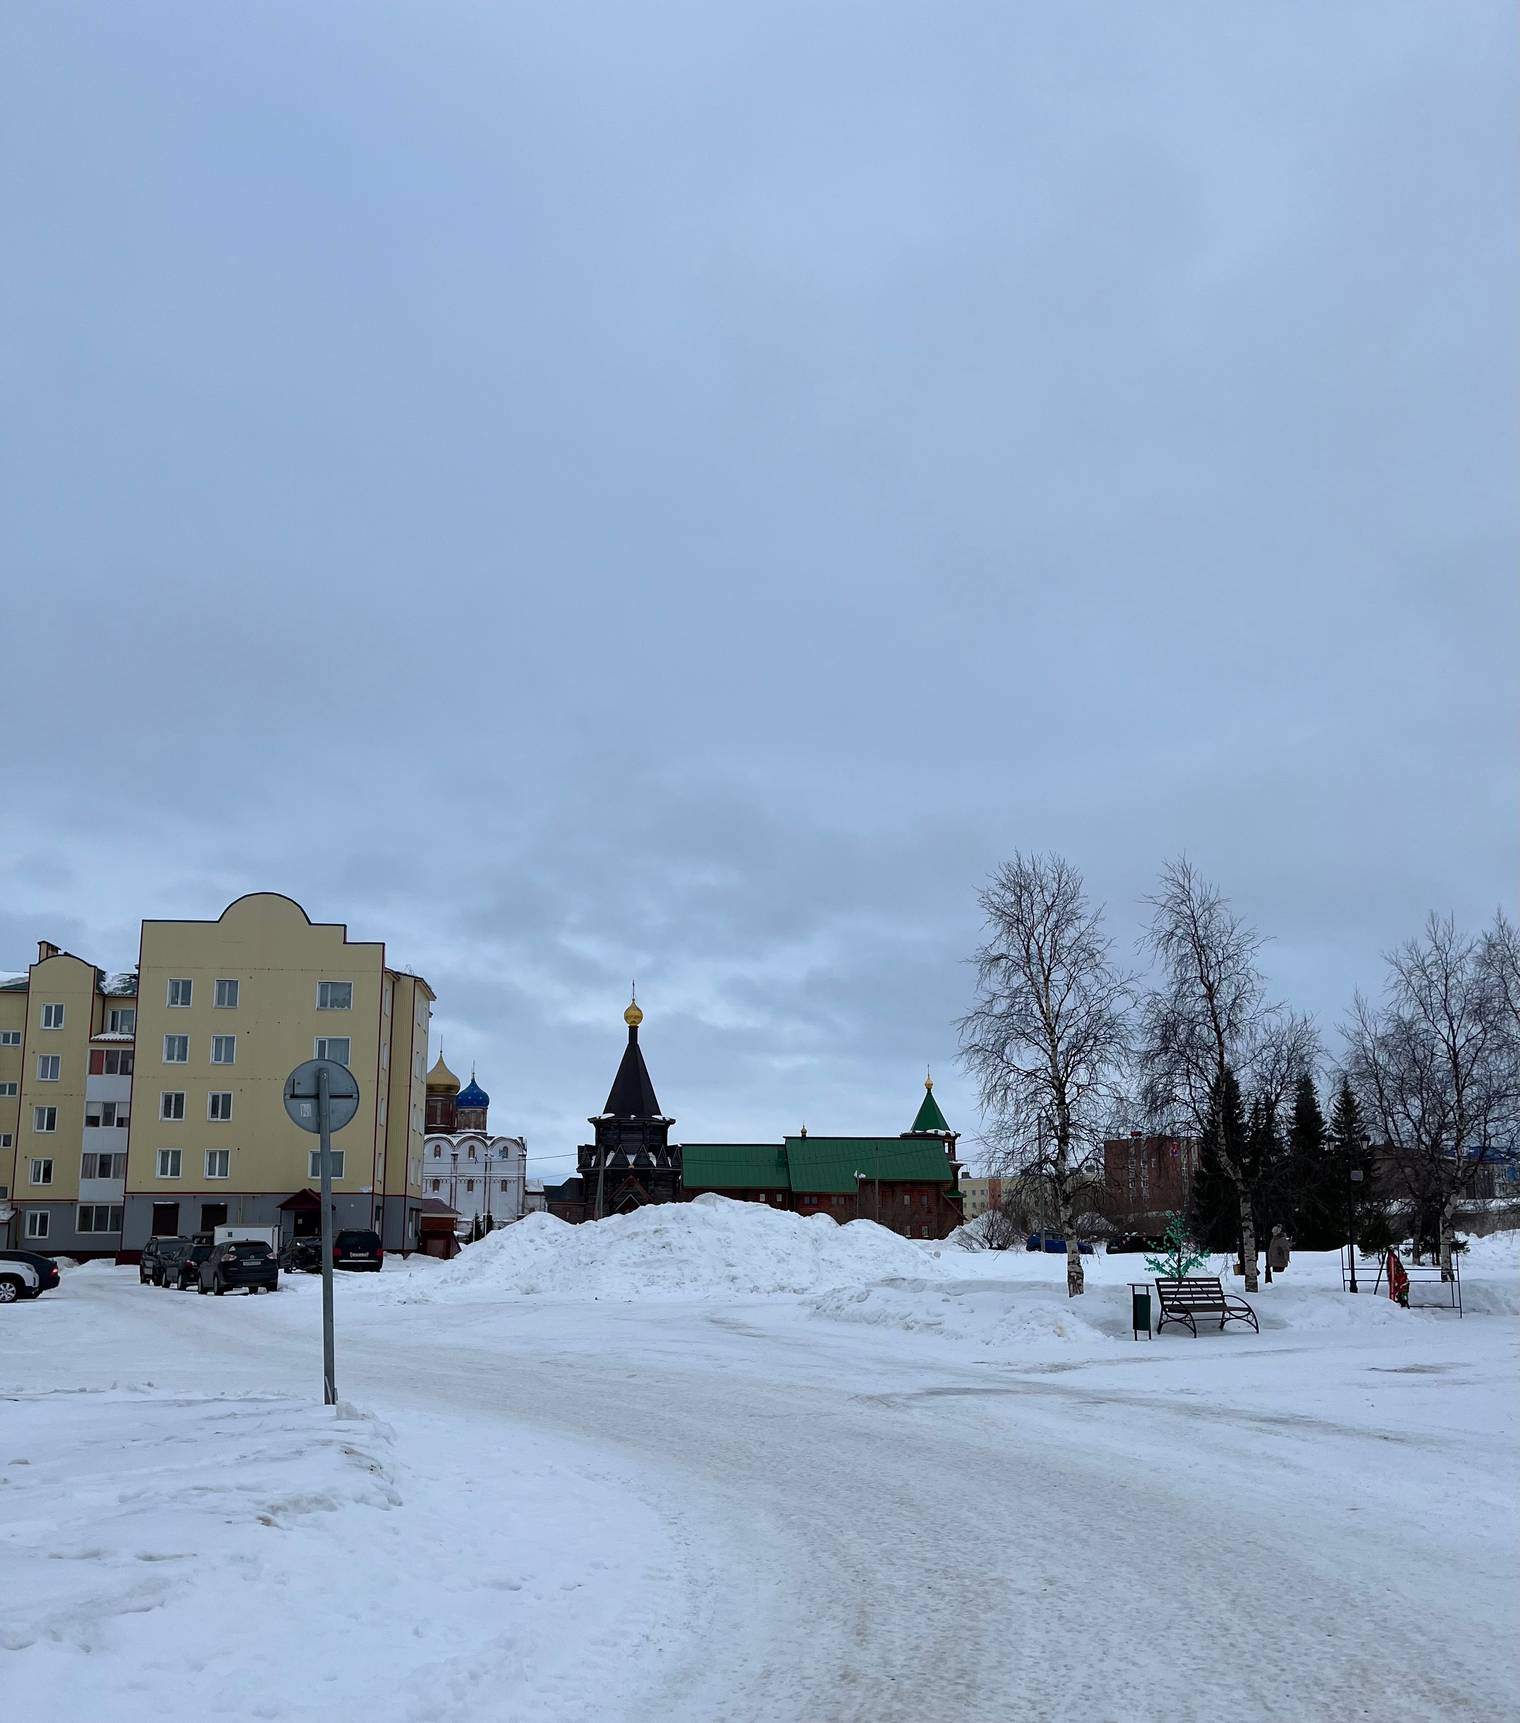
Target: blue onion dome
x,y
472,1095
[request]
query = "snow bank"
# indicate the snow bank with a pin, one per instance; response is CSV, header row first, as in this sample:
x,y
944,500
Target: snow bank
x,y
179,1555
984,1312
708,1248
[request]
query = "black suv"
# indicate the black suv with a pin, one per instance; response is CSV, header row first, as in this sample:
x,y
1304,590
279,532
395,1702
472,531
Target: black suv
x,y
303,1253
46,1270
358,1250
160,1256
245,1262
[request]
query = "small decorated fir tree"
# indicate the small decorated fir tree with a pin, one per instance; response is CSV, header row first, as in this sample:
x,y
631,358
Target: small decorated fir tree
x,y
1180,1259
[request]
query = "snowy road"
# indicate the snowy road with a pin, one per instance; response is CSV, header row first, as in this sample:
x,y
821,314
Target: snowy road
x,y
854,1524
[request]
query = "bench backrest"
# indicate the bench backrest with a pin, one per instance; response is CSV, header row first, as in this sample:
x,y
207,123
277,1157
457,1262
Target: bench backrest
x,y
1198,1293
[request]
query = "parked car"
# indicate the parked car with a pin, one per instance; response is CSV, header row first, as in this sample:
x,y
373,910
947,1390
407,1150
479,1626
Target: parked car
x,y
25,1274
157,1254
245,1262
303,1254
358,1250
186,1270
1054,1246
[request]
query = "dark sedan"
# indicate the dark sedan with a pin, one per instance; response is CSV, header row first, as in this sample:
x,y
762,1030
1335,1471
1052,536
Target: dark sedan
x,y
159,1260
303,1254
241,1262
185,1271
47,1270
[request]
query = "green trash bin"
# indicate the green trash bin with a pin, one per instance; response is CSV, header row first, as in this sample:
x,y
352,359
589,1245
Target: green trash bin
x,y
1139,1310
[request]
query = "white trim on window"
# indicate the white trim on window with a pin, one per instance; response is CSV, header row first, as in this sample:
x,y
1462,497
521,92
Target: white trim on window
x,y
49,1067
179,993
218,1163
168,1163
224,1049
10,1037
44,1119
176,1049
171,1104
335,996
122,1020
52,1017
227,991
8,1089
40,1170
38,1221
219,1105
314,1163
327,1047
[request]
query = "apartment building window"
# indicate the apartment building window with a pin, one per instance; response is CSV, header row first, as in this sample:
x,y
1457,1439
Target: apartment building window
x,y
334,1047
52,1017
385,999
44,1118
122,1020
179,993
37,1220
171,1104
219,1106
105,1115
49,1067
41,1171
176,1049
7,1089
6,1140
10,1037
226,995
111,1062
99,1217
168,1163
223,1049
102,1166
335,995
218,1163
316,1163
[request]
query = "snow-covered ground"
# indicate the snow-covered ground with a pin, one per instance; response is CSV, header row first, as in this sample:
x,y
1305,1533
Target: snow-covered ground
x,y
917,1484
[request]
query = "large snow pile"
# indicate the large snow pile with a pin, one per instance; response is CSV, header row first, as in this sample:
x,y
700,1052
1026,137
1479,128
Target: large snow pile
x,y
987,1312
708,1248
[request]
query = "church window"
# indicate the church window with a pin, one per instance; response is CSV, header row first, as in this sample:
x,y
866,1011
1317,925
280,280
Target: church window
x,y
437,1152
437,1184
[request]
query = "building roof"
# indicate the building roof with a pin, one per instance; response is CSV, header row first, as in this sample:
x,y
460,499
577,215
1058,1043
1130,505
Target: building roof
x,y
831,1164
435,1205
441,1080
929,1118
472,1095
735,1166
632,1094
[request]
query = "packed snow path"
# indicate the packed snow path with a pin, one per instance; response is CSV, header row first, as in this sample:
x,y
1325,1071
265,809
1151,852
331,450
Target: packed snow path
x,y
834,1524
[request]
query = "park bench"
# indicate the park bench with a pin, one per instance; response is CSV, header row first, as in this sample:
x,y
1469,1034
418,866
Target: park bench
x,y
1200,1295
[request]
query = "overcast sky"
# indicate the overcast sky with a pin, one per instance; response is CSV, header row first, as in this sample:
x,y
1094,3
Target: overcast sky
x,y
683,490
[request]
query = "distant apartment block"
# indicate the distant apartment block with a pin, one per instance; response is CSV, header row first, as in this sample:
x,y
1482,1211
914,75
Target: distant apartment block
x,y
152,1103
1145,1178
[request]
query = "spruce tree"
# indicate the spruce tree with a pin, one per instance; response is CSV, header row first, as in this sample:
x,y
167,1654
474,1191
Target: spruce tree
x,y
1349,1150
1318,1220
1213,1202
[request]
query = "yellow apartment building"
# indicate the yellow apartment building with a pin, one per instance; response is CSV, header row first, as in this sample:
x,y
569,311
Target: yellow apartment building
x,y
185,1073
66,1036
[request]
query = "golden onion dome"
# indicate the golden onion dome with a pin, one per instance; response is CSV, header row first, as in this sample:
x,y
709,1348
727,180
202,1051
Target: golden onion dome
x,y
441,1080
633,1017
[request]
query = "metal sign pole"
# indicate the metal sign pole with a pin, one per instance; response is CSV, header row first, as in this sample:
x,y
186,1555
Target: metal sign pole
x,y
324,1138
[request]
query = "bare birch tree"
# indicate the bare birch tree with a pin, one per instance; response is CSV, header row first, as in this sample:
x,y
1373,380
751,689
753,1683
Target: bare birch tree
x,y
1048,1038
1433,1066
1210,1012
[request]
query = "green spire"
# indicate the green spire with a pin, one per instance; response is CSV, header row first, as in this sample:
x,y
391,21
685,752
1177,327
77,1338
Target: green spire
x,y
930,1120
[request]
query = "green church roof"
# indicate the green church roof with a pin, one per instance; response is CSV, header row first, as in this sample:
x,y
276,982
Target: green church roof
x,y
830,1164
734,1167
930,1118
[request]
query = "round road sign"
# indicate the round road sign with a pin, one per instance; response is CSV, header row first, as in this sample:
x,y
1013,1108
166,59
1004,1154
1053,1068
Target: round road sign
x,y
301,1095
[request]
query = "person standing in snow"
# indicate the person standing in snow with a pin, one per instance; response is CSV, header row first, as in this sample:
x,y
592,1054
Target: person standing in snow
x,y
1278,1249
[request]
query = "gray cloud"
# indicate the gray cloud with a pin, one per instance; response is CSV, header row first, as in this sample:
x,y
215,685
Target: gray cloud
x,y
685,491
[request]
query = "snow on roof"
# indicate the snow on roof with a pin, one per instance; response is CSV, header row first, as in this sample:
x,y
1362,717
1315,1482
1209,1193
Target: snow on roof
x,y
116,1035
120,984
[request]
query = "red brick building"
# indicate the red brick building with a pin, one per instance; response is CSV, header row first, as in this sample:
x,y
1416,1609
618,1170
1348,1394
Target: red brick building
x,y
1147,1178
